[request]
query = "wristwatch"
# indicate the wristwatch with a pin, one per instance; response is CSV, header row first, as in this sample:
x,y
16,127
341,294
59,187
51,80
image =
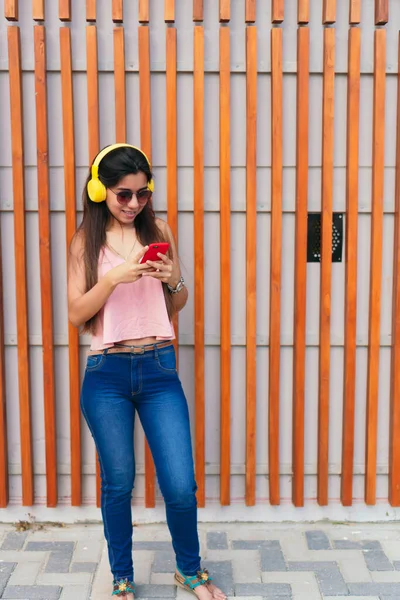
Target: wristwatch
x,y
179,286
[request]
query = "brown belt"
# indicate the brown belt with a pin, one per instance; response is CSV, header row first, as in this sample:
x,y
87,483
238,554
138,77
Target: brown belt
x,y
130,349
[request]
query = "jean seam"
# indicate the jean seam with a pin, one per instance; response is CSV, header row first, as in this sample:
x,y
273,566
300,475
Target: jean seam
x,y
138,391
105,481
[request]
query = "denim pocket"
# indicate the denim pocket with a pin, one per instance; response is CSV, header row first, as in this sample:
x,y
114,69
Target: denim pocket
x,y
94,362
166,359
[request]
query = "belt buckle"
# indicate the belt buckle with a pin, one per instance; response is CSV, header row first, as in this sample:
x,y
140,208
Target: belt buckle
x,y
137,350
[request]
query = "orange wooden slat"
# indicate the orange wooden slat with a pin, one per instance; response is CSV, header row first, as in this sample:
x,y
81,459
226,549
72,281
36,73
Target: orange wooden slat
x,y
90,10
145,140
197,10
15,78
278,11
45,263
250,15
276,264
4,490
171,141
224,10
93,130
70,222
353,107
225,252
378,160
117,11
355,12
329,12
303,11
169,11
38,10
198,116
251,221
120,85
326,263
394,446
144,11
300,277
11,10
381,12
64,10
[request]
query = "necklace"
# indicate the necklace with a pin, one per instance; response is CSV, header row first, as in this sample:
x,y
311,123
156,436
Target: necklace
x,y
119,254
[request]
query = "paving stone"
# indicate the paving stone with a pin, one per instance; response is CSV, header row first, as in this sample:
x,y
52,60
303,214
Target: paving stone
x,y
304,585
83,567
5,572
396,565
65,547
255,544
329,577
375,589
317,540
32,592
155,591
163,546
14,540
164,562
353,545
25,573
217,540
266,590
272,558
64,578
58,562
88,551
222,574
75,592
376,560
246,566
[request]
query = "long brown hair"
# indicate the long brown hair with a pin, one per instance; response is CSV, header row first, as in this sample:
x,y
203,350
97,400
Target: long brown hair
x,y
96,217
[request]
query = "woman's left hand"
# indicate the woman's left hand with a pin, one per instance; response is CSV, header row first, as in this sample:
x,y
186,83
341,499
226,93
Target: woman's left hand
x,y
165,270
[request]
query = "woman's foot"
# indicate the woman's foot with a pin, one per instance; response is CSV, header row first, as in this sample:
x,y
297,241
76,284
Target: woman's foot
x,y
123,588
205,591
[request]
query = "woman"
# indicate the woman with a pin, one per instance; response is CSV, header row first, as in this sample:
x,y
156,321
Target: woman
x,y
127,306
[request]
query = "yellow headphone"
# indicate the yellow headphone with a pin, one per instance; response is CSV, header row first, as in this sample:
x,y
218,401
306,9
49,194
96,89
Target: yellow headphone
x,y
97,191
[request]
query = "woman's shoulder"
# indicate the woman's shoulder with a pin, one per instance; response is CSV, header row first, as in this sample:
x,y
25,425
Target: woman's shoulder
x,y
163,227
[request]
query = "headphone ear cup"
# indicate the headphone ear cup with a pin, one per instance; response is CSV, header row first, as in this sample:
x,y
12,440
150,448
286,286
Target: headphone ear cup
x,y
96,190
150,185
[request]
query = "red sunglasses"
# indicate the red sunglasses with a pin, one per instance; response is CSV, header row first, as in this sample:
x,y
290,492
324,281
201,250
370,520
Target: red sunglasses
x,y
125,196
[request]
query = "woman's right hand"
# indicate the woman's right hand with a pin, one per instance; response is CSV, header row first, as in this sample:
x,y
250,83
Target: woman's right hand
x,y
130,270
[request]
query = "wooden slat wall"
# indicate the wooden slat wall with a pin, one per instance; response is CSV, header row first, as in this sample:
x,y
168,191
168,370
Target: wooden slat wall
x,y
378,156
300,277
64,10
225,262
14,59
4,487
326,263
198,164
394,454
94,134
349,390
45,263
145,140
38,10
70,222
11,10
197,10
303,11
251,224
90,10
355,12
120,85
276,263
172,149
170,14
224,10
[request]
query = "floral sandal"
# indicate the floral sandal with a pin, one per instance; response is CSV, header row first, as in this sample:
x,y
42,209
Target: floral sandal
x,y
191,582
123,587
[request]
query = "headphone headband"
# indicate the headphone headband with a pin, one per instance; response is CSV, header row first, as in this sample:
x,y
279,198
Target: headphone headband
x,y
96,190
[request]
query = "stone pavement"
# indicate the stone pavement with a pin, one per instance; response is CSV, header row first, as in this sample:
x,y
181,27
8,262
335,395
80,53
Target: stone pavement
x,y
253,561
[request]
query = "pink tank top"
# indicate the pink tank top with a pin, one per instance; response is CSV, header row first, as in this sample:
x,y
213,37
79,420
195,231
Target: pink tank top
x,y
133,310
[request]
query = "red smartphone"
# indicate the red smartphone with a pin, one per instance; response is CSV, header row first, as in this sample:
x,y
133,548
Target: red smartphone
x,y
153,250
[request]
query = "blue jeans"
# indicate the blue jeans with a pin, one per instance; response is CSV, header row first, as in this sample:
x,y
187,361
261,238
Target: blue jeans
x,y
114,387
